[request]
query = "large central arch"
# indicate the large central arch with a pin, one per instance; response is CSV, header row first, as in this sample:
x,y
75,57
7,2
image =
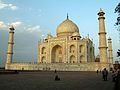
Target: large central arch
x,y
57,54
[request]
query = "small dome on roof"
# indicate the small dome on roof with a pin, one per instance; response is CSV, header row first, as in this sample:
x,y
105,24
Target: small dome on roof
x,y
76,34
49,36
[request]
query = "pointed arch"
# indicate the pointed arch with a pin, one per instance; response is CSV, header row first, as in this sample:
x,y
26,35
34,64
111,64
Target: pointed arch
x,y
43,60
72,48
43,50
82,58
81,49
57,54
72,59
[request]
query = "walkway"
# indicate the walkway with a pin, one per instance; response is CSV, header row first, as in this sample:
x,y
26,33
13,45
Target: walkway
x,y
45,81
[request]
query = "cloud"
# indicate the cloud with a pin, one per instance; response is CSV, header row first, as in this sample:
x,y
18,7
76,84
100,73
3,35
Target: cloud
x,y
7,6
17,24
3,26
13,7
2,5
20,27
34,29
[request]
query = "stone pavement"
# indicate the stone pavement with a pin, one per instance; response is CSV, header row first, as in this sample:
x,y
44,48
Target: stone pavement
x,y
45,81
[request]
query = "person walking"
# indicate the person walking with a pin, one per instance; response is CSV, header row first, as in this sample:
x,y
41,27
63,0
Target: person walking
x,y
117,81
97,71
114,75
104,74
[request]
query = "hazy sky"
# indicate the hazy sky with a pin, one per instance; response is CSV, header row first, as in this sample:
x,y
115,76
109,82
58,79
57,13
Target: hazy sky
x,y
34,19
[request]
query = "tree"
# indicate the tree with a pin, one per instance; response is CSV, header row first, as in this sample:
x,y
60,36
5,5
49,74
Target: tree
x,y
117,10
118,53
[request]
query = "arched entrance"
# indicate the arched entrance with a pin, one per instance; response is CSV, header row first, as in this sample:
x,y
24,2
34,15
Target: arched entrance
x,y
43,60
81,49
43,50
72,48
72,59
82,58
57,54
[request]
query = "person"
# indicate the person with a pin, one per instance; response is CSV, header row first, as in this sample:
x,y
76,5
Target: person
x,y
57,78
104,74
117,81
97,71
113,76
55,71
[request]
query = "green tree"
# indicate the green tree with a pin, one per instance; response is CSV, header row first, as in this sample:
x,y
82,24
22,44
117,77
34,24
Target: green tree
x,y
117,10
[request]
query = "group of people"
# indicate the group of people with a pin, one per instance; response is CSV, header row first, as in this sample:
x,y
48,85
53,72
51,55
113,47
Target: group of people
x,y
115,77
104,74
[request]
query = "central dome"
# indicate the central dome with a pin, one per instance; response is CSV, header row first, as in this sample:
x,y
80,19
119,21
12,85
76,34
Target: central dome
x,y
67,28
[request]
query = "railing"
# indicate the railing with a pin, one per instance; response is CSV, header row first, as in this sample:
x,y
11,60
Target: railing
x,y
25,62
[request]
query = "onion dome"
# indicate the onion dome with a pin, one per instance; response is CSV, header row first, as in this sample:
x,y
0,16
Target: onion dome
x,y
67,28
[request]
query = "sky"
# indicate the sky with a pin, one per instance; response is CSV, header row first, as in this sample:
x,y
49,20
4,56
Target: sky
x,y
34,19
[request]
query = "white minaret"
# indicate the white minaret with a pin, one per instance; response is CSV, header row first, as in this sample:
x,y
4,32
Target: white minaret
x,y
110,54
10,45
102,38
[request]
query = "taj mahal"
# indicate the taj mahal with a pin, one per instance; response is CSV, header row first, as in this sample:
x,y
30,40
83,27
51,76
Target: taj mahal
x,y
67,51
67,47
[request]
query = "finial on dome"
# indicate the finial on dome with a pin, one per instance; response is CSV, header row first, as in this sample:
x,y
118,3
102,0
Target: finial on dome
x,y
88,36
11,27
67,15
109,38
101,10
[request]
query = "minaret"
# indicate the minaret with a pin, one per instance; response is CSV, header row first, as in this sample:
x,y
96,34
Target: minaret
x,y
110,54
10,45
102,38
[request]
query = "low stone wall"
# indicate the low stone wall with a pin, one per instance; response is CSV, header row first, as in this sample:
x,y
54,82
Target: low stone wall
x,y
92,66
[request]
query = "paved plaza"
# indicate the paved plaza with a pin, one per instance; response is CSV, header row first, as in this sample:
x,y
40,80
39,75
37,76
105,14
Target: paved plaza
x,y
45,81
